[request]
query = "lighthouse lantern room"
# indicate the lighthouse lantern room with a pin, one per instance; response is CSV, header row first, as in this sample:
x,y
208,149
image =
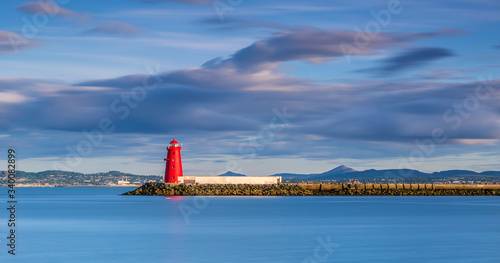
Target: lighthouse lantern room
x,y
173,169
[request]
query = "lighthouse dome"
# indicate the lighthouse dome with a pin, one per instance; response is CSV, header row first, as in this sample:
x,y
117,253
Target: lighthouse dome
x,y
174,143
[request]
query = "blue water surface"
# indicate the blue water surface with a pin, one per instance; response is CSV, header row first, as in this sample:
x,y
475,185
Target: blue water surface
x,y
100,225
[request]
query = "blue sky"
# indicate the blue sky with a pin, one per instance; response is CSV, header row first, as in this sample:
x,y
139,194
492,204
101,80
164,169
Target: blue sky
x,y
256,87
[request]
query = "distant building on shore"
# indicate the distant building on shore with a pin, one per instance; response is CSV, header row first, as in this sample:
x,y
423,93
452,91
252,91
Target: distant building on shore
x,y
173,172
123,182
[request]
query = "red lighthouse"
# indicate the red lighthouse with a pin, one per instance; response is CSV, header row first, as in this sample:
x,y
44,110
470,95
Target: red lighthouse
x,y
173,169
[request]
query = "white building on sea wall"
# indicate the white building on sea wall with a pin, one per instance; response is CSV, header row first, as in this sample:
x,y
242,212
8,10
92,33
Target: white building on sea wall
x,y
230,179
174,175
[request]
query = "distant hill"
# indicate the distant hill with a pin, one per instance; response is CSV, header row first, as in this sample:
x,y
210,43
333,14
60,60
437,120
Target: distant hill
x,y
229,173
65,178
343,173
326,175
336,172
496,173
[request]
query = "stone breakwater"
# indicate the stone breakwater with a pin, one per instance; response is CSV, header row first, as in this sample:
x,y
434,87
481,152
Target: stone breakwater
x,y
161,189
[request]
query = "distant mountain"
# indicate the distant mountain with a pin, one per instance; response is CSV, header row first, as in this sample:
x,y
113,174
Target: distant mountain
x,y
332,173
495,173
453,173
229,173
336,171
344,173
389,174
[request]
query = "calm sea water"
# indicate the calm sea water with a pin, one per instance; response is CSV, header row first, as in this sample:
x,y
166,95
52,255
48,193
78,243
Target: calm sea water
x,y
100,225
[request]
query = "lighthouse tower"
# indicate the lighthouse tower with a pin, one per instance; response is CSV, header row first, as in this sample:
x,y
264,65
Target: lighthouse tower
x,y
173,169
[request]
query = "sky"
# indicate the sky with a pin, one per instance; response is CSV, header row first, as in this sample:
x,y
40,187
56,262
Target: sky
x,y
255,87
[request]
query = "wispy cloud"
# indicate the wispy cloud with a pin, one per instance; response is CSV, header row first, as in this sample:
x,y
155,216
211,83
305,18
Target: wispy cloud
x,y
445,73
238,24
308,44
237,102
236,94
11,42
195,2
115,28
490,142
51,9
316,46
412,58
12,97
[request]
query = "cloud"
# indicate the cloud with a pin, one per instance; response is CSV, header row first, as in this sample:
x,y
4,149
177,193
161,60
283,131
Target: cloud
x,y
12,97
115,28
307,44
353,120
490,142
248,83
238,96
445,73
51,9
190,100
410,59
316,46
11,42
369,116
238,24
445,32
194,2
215,77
